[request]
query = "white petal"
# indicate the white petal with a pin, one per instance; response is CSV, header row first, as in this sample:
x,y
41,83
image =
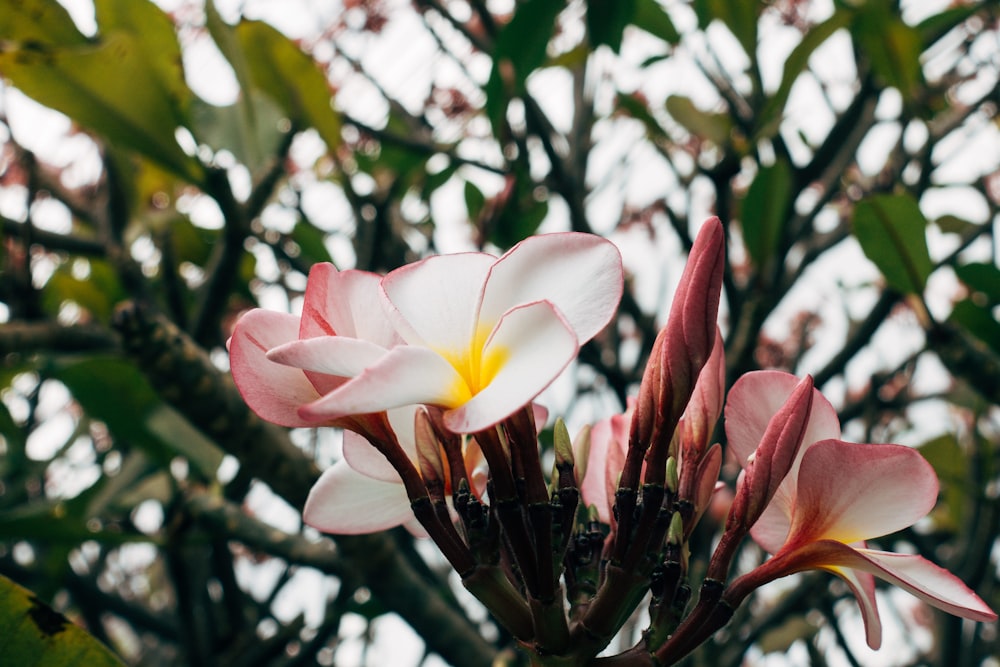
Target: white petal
x,y
407,375
527,351
363,457
345,502
332,355
581,274
932,584
435,300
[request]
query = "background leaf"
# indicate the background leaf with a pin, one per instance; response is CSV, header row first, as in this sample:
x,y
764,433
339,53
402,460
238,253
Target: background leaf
x,y
35,635
892,232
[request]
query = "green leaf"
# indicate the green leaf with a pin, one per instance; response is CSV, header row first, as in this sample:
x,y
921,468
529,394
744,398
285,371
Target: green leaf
x,y
652,18
312,243
279,68
739,17
35,635
892,232
716,127
97,292
249,129
893,47
606,21
109,88
934,27
978,320
952,224
636,108
983,278
945,455
770,117
519,50
253,151
156,41
39,22
765,210
474,201
114,391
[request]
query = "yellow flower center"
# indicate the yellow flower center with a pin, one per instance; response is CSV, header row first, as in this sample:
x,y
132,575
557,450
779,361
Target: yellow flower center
x,y
475,366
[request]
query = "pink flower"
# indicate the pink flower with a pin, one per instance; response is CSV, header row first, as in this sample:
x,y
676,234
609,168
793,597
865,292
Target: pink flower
x,y
601,464
470,333
837,495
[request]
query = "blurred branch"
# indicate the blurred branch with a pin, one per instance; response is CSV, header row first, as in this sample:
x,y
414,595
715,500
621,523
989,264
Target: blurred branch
x,y
228,518
19,337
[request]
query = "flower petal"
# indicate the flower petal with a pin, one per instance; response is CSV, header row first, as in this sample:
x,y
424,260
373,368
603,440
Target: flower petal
x,y
434,301
862,584
850,492
345,303
934,585
405,375
338,356
593,488
345,502
750,404
530,346
772,527
274,391
581,274
367,460
758,395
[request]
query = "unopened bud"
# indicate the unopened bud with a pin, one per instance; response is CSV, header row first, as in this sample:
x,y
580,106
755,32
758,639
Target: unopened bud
x,y
428,448
675,534
562,444
672,475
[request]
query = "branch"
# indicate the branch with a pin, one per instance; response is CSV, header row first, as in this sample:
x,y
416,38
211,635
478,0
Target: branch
x,y
20,337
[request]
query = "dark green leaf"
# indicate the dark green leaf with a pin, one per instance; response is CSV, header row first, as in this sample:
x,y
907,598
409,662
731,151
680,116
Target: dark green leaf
x,y
893,47
606,21
978,320
96,293
474,200
765,210
652,18
636,108
312,243
739,17
983,278
35,635
892,232
952,224
937,25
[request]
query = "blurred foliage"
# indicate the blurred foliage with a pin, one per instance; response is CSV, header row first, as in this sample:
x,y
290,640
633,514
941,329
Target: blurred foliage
x,y
840,142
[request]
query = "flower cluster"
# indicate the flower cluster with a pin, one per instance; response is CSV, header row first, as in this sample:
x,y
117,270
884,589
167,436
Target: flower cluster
x,y
432,371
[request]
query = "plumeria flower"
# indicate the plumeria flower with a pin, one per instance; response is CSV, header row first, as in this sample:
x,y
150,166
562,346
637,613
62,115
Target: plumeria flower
x,y
473,334
837,495
602,460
